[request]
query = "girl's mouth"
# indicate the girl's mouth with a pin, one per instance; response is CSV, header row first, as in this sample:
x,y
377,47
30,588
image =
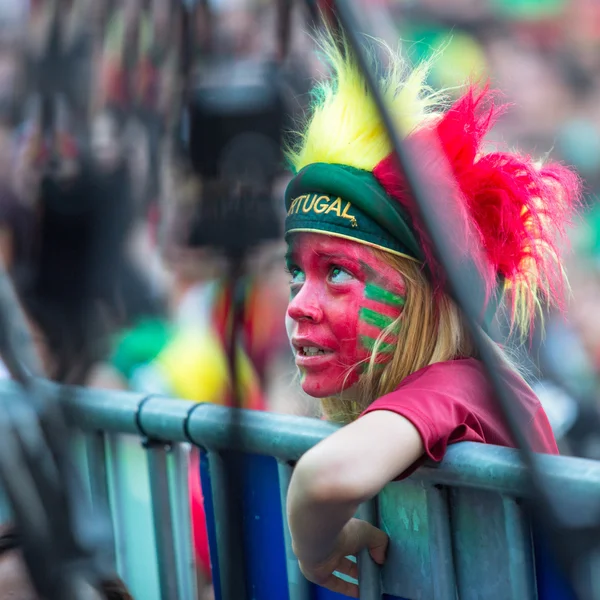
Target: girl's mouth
x,y
312,351
311,356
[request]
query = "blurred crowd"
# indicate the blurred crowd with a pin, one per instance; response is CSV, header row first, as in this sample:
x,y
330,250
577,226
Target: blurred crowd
x,y
118,259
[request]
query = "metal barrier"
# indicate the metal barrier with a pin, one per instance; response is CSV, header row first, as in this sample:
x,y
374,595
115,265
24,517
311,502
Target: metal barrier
x,y
456,529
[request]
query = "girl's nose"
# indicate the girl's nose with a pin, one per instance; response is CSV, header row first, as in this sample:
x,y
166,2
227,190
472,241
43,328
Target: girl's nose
x,y
305,306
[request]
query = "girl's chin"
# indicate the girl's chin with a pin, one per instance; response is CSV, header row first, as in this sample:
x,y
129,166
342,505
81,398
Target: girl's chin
x,y
319,393
322,388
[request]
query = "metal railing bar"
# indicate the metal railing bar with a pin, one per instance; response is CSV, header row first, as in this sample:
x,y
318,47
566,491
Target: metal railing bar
x,y
165,418
499,469
96,409
287,437
282,436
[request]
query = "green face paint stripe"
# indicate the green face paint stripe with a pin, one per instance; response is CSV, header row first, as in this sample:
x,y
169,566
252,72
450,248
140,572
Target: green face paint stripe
x,y
377,367
374,318
369,344
379,294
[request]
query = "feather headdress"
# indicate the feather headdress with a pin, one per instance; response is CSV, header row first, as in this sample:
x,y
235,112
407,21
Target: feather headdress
x,y
517,208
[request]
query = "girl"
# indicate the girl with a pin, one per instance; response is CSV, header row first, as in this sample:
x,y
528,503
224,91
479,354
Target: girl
x,y
374,335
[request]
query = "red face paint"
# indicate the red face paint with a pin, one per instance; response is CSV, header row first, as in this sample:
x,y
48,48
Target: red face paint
x,y
342,297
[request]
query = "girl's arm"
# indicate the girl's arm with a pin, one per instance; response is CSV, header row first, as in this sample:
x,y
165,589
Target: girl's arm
x,y
330,482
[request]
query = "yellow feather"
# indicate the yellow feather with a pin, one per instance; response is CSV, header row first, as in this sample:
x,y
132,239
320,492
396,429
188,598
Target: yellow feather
x,y
345,127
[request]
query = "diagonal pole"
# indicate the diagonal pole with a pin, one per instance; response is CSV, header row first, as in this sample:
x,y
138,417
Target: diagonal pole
x,y
575,536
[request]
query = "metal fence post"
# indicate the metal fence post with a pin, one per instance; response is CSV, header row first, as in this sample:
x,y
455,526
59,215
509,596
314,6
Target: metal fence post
x,y
369,581
178,469
163,523
298,585
96,451
233,585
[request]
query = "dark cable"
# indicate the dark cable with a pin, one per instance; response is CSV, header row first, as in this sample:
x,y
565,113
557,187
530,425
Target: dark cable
x,y
283,28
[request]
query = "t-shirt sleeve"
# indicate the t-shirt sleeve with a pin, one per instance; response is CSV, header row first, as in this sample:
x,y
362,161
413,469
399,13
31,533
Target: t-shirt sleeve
x,y
435,401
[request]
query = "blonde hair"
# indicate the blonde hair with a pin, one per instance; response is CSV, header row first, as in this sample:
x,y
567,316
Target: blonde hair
x,y
432,330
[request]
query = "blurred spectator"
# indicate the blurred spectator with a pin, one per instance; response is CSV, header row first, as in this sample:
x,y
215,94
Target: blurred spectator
x,y
17,232
15,583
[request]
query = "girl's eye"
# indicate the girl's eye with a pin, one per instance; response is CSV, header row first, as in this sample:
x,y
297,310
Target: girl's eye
x,y
296,274
339,275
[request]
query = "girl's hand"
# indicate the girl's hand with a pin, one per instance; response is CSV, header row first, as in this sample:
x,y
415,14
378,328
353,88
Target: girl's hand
x,y
354,537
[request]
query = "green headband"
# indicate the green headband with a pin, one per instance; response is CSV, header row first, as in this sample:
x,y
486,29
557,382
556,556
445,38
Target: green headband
x,y
350,203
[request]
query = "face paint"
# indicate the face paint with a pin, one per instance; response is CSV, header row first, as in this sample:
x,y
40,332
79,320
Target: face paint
x,y
381,307
342,298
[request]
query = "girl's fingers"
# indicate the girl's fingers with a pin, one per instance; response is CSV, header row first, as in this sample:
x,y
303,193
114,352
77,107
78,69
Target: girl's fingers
x,y
378,545
348,568
335,584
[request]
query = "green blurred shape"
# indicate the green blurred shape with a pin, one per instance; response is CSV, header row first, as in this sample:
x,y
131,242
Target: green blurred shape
x,y
529,9
458,56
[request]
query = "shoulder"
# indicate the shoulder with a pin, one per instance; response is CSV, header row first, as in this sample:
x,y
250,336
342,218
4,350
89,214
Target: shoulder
x,y
453,401
450,387
459,383
463,373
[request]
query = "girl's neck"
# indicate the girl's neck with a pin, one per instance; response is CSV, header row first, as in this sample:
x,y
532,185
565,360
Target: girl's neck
x,y
344,407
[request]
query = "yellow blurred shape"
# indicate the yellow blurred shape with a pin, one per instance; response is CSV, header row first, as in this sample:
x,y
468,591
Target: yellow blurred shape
x,y
196,367
460,58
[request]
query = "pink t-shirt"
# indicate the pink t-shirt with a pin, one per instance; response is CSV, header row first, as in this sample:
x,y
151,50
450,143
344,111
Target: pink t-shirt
x,y
452,402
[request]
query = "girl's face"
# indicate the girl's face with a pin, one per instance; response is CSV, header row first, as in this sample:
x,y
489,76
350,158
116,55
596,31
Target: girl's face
x,y
342,297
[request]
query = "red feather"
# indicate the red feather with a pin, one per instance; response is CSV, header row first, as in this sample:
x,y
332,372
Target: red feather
x,y
513,209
